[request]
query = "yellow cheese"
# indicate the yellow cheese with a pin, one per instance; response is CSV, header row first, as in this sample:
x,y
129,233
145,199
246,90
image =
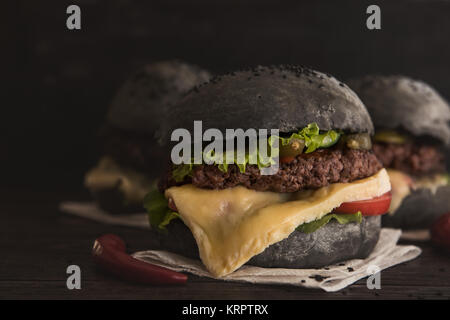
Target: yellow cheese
x,y
108,174
231,226
401,187
432,182
403,184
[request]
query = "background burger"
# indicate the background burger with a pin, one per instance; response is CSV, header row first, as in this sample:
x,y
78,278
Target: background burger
x,y
130,157
322,206
412,129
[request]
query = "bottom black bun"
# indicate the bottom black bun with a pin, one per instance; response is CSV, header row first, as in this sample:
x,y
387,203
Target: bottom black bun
x,y
419,209
330,244
113,201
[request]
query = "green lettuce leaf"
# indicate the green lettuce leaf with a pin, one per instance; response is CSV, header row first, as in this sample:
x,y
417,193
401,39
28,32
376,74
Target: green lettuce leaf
x,y
341,218
310,134
313,138
180,172
159,214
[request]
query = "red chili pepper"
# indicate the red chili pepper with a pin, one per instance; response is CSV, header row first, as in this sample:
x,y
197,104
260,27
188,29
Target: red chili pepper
x,y
440,231
109,253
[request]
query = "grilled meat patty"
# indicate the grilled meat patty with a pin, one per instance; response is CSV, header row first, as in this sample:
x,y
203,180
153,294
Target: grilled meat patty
x,y
306,171
411,157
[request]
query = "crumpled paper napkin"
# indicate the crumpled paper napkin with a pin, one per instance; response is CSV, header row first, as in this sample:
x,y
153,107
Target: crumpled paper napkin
x,y
332,278
90,210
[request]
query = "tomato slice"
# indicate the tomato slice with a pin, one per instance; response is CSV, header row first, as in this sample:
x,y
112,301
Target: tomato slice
x,y
373,207
286,159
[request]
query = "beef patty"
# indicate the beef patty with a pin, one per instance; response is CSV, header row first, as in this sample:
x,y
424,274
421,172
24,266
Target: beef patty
x,y
411,157
306,171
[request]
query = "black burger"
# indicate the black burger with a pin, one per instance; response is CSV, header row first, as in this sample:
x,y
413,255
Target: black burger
x,y
321,206
412,129
129,159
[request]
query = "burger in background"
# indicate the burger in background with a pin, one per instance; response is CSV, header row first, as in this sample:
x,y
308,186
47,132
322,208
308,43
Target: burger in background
x,y
323,204
412,130
131,158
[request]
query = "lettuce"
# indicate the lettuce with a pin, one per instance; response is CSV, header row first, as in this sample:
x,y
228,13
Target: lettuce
x,y
313,138
310,134
341,218
159,214
180,172
254,156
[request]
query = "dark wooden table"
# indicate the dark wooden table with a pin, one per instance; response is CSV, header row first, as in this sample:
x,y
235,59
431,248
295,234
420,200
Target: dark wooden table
x,y
38,243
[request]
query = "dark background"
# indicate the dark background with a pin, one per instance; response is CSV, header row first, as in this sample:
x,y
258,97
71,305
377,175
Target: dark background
x,y
56,84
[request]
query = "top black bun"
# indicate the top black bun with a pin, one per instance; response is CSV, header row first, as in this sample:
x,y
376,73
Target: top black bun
x,y
144,98
278,97
401,102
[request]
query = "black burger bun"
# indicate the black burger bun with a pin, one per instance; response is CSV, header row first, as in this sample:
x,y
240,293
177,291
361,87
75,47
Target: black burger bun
x,y
420,209
144,99
114,201
279,97
136,110
330,244
287,98
401,102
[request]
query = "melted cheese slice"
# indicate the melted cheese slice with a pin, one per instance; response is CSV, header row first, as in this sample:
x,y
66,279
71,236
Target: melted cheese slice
x,y
432,182
401,187
231,226
403,184
108,174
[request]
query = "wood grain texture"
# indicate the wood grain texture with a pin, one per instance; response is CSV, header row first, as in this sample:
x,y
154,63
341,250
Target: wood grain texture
x,y
57,84
38,243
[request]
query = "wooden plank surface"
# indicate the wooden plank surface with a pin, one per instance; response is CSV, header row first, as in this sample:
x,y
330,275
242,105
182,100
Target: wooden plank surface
x,y
38,243
58,84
